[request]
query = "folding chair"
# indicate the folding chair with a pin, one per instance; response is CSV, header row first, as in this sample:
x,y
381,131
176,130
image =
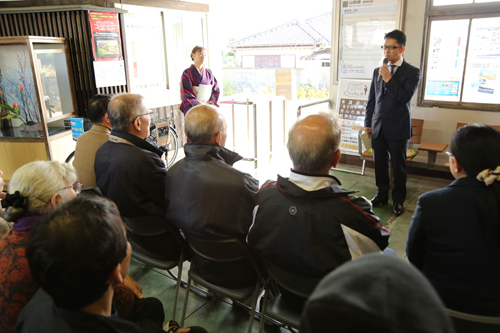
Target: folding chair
x,y
278,309
223,250
148,225
465,322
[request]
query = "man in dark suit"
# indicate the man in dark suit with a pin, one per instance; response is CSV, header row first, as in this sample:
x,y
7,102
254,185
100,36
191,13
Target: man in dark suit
x,y
388,119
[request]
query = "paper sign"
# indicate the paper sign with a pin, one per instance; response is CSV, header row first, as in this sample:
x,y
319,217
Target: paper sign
x,y
109,73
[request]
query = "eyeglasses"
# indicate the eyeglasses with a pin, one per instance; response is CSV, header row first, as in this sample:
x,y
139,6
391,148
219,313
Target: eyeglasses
x,y
449,154
150,113
77,187
390,47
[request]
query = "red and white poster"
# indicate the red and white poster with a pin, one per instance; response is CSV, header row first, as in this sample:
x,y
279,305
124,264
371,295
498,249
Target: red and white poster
x,y
109,67
106,39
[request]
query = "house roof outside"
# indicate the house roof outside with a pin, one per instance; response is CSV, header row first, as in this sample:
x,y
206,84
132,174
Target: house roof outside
x,y
311,32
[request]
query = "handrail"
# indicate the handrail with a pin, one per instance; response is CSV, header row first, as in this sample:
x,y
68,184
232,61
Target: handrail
x,y
299,109
254,105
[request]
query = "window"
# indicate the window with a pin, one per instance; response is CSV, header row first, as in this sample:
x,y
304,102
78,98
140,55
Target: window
x,y
146,53
461,66
184,31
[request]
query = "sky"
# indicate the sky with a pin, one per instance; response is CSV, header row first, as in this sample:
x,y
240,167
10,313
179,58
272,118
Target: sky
x,y
238,19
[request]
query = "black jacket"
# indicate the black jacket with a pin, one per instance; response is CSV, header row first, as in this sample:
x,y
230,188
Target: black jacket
x,y
301,231
207,198
41,315
132,175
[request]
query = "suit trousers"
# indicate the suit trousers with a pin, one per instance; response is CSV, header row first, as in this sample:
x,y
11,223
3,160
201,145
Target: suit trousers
x,y
382,147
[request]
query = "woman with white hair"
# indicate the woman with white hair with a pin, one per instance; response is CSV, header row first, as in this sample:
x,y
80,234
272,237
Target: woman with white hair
x,y
34,189
4,225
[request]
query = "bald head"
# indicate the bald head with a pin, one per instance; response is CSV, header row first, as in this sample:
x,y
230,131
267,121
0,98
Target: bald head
x,y
313,142
123,108
204,124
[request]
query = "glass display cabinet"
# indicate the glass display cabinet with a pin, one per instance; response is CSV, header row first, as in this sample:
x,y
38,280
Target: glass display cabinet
x,y
37,95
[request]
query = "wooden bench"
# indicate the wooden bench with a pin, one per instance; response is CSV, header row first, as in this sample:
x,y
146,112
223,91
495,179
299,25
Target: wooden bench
x,y
460,125
416,126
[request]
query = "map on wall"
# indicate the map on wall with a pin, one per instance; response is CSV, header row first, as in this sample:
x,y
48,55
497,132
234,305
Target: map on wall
x,y
363,24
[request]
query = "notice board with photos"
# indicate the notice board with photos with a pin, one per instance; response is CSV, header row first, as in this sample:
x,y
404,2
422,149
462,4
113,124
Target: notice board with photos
x,y
352,98
109,67
360,33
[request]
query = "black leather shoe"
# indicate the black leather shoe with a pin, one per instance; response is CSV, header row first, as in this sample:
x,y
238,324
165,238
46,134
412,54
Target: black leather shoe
x,y
398,208
379,201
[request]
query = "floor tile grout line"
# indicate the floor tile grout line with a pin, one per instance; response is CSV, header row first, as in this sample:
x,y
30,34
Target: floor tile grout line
x,y
198,309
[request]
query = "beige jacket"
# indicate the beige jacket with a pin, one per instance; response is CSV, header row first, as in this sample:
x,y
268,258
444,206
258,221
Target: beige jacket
x,y
86,147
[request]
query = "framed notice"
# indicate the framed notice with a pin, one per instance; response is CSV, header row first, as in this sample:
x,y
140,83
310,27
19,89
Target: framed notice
x,y
109,69
360,33
351,103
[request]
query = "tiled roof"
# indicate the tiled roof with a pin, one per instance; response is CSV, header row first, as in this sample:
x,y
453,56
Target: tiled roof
x,y
316,30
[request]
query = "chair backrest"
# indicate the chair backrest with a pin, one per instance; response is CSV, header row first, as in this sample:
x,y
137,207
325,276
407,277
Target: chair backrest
x,y
146,225
299,285
465,322
417,126
459,125
220,250
91,191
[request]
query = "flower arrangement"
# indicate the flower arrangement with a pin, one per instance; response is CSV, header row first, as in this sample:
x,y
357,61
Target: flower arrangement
x,y
17,87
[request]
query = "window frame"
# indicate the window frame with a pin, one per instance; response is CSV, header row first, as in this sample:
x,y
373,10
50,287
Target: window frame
x,y
446,13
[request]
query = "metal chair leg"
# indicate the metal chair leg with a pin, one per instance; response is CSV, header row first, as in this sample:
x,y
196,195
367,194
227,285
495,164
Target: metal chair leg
x,y
254,305
185,302
264,307
363,168
178,285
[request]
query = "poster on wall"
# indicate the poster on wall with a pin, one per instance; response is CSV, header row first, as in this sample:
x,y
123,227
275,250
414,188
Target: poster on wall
x,y
107,47
351,103
446,59
363,24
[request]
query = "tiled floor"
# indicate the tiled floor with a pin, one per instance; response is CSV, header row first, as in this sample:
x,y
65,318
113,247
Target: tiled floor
x,y
222,316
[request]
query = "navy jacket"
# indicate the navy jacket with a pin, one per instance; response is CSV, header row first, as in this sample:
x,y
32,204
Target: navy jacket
x,y
391,111
448,243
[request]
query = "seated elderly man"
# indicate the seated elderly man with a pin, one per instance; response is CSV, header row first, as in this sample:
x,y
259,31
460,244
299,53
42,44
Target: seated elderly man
x,y
78,254
208,197
34,189
90,141
130,172
307,224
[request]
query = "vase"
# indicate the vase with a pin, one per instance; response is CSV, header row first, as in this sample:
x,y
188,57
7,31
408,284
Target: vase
x,y
31,130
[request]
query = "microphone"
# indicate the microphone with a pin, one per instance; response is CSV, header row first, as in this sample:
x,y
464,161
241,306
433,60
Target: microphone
x,y
386,61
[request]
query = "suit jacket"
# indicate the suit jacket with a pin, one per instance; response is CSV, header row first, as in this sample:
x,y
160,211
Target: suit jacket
x,y
391,111
85,150
448,243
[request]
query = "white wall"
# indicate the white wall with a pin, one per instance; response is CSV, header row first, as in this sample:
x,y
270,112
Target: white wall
x,y
440,123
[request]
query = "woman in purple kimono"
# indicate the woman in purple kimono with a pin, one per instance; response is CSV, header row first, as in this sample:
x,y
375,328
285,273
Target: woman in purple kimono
x,y
195,76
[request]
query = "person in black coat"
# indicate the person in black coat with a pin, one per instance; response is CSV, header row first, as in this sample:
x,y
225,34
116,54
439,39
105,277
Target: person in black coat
x,y
454,237
207,197
130,172
388,119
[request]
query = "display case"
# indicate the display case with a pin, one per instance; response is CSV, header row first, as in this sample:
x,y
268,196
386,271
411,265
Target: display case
x,y
37,95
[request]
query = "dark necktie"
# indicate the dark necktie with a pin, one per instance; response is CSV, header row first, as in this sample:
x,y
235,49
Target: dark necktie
x,y
392,72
